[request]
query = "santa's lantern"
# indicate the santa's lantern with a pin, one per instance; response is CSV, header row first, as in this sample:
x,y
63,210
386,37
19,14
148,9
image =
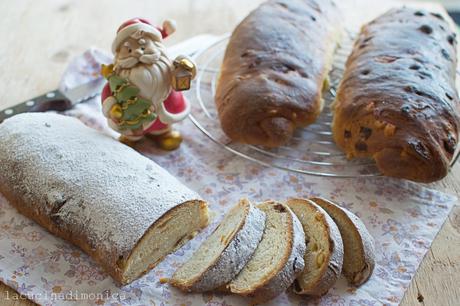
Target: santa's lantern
x,y
184,73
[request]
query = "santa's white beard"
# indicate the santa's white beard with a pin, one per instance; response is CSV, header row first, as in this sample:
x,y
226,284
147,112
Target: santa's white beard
x,y
153,81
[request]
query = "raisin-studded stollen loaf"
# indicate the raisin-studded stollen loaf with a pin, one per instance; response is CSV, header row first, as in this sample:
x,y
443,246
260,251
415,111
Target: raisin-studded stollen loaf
x,y
397,102
121,208
274,68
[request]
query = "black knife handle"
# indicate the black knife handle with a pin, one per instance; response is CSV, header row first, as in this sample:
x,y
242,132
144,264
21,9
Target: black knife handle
x,y
53,100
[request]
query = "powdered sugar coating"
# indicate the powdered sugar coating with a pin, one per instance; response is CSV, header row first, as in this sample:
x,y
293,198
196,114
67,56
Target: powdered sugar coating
x,y
86,183
236,255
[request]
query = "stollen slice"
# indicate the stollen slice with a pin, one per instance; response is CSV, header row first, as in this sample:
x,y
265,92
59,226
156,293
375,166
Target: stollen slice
x,y
359,258
324,255
225,252
278,259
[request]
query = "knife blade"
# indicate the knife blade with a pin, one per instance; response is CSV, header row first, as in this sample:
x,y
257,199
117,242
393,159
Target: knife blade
x,y
56,100
60,101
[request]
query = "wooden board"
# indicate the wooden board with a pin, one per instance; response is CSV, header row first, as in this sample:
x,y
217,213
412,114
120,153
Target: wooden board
x,y
40,37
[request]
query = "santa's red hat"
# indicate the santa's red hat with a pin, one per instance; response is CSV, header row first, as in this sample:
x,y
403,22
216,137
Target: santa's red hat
x,y
140,24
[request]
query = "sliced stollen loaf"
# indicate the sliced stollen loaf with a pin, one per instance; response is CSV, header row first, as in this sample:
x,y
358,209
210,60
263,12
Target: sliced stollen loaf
x,y
121,208
278,259
225,252
359,261
324,255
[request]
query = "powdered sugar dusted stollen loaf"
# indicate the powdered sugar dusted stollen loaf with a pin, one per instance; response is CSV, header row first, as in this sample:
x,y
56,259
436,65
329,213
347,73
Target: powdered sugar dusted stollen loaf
x,y
121,208
226,251
278,259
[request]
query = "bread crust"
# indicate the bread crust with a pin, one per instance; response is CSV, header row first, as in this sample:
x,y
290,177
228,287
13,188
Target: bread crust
x,y
397,101
364,238
274,68
331,272
59,173
237,253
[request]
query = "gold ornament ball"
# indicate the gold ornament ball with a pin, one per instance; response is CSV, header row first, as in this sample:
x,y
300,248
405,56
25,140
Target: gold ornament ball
x,y
170,141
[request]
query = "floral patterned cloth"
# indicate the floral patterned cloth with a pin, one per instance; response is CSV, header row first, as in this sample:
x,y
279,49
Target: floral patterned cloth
x,y
402,216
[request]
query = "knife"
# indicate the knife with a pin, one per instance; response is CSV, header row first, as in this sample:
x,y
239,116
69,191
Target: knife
x,y
58,100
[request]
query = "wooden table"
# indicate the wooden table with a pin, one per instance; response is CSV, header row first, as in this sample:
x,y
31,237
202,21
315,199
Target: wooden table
x,y
40,37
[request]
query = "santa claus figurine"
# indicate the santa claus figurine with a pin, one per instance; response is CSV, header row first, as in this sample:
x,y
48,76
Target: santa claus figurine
x,y
142,96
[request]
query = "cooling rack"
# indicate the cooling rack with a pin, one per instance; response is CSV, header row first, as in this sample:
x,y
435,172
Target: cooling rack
x,y
310,151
